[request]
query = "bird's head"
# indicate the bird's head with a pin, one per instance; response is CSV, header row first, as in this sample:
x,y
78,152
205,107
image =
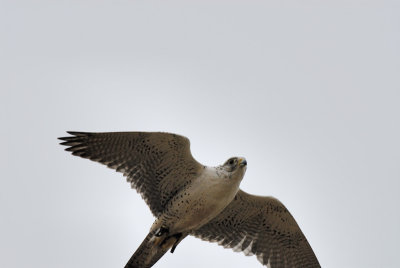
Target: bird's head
x,y
235,166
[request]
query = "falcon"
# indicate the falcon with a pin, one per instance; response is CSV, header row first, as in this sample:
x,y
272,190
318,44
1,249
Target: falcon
x,y
188,198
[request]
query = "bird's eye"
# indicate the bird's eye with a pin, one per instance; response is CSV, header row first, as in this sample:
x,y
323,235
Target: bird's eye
x,y
231,161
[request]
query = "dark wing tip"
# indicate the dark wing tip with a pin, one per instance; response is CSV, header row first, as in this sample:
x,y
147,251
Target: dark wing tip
x,y
73,140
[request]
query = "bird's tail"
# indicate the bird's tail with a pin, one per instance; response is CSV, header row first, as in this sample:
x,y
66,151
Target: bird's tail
x,y
151,250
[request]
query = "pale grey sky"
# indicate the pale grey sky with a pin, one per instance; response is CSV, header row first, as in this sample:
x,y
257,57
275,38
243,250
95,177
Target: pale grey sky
x,y
307,91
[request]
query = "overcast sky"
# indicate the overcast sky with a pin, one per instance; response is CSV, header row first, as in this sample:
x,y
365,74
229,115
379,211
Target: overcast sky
x,y
308,92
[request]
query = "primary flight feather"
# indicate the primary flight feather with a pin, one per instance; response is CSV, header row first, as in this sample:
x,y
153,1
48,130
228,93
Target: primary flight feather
x,y
188,198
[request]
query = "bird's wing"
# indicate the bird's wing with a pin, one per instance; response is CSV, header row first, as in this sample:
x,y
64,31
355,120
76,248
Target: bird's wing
x,y
156,164
261,226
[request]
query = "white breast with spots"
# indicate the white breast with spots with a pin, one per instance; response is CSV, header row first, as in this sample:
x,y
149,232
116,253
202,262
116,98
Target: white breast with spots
x,y
204,199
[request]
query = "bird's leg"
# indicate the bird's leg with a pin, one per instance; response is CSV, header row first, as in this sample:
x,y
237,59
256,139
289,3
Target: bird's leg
x,y
160,235
179,238
171,242
168,242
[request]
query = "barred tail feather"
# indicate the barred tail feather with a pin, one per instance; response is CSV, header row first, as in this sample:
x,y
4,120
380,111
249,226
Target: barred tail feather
x,y
147,254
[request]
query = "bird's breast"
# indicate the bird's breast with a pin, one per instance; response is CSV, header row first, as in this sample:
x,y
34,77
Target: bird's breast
x,y
201,201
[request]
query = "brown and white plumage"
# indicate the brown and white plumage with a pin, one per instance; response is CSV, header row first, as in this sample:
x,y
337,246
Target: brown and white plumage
x,y
189,198
261,226
156,164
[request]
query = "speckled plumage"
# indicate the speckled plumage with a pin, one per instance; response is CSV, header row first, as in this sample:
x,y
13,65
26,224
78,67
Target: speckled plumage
x,y
157,165
188,198
261,226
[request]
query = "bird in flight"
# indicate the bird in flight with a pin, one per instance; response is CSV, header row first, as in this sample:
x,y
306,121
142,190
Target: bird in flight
x,y
188,198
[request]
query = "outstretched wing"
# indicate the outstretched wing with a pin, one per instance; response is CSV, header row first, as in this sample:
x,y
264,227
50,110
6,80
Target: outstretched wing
x,y
261,226
156,164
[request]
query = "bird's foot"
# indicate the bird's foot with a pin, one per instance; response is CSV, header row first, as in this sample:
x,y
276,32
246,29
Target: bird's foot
x,y
178,238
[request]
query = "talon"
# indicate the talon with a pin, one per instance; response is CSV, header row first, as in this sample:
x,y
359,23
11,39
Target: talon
x,y
178,240
173,248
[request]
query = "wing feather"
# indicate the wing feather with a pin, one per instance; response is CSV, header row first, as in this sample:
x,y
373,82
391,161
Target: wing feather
x,y
261,226
156,164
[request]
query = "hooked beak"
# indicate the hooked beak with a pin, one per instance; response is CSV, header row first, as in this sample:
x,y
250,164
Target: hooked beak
x,y
242,162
